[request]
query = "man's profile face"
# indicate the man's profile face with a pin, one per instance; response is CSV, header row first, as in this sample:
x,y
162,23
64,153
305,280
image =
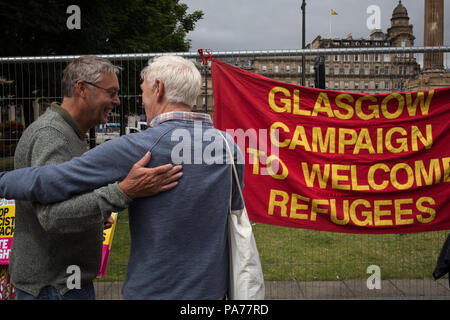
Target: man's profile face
x,y
102,101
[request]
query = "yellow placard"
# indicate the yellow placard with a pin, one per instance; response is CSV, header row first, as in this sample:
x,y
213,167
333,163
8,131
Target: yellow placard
x,y
108,234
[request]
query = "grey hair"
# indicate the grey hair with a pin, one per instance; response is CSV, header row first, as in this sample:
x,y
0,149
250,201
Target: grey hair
x,y
181,78
87,68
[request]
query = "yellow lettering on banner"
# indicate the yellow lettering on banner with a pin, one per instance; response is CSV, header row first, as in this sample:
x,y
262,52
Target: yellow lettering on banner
x,y
401,176
371,176
255,159
368,214
336,177
323,99
433,170
347,107
345,220
286,107
273,137
400,106
354,176
319,139
346,142
327,144
374,107
296,206
303,141
430,211
410,174
282,204
424,105
363,142
284,173
379,140
297,110
361,212
399,212
315,170
378,213
446,165
416,134
315,208
402,141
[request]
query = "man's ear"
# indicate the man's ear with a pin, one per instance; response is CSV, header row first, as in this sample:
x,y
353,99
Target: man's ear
x,y
160,90
80,88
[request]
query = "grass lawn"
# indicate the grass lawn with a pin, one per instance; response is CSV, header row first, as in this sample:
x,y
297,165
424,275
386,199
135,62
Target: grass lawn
x,y
289,253
120,250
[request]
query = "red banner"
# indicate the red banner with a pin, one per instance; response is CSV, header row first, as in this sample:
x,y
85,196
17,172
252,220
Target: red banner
x,y
338,161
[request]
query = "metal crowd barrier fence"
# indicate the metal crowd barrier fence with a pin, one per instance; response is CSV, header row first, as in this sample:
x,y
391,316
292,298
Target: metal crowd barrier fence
x,y
297,263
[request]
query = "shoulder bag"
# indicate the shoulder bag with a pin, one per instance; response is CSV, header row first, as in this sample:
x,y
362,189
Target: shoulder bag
x,y
246,276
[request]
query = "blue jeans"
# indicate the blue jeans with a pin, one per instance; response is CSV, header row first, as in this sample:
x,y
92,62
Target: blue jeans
x,y
50,293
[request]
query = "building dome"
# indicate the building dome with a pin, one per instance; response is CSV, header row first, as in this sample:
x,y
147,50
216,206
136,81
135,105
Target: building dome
x,y
401,32
400,11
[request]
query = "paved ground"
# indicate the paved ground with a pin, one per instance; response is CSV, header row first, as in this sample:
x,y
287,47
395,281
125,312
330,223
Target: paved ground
x,y
346,289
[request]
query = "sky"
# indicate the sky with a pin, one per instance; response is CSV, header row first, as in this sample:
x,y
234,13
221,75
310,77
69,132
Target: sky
x,y
276,24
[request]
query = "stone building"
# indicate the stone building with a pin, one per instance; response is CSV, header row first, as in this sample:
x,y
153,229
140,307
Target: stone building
x,y
369,73
374,72
364,73
433,74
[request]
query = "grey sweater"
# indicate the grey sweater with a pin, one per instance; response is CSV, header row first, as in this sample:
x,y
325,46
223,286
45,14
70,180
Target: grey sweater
x,y
50,238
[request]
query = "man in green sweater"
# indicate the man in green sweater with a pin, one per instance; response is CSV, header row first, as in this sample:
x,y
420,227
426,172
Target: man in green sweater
x,y
51,241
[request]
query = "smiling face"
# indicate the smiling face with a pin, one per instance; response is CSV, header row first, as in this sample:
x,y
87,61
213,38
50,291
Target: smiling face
x,y
99,100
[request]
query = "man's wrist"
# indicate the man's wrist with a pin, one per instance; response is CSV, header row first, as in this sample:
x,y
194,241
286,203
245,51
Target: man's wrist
x,y
123,186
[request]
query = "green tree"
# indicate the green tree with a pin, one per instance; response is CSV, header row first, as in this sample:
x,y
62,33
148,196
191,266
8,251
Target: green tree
x,y
107,26
37,28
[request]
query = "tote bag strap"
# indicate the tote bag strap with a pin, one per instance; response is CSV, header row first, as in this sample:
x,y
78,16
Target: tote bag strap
x,y
235,174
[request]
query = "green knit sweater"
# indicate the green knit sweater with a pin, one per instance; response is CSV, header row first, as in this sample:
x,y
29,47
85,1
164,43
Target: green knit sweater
x,y
50,238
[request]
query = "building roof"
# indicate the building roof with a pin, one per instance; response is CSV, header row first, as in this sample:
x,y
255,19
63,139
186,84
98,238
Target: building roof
x,y
400,11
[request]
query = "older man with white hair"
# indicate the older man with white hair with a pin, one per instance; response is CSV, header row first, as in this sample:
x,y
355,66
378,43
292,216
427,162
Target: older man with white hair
x,y
179,246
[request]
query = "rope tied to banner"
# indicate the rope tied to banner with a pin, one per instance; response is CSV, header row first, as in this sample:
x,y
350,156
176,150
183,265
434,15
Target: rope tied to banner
x,y
205,57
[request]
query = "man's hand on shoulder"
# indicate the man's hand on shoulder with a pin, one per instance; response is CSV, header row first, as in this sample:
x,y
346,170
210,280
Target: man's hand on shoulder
x,y
144,182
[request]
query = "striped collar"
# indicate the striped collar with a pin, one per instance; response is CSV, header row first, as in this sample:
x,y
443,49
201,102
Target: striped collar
x,y
181,116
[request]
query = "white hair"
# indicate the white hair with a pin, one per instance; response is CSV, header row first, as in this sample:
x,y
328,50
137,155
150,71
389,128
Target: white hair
x,y
181,78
